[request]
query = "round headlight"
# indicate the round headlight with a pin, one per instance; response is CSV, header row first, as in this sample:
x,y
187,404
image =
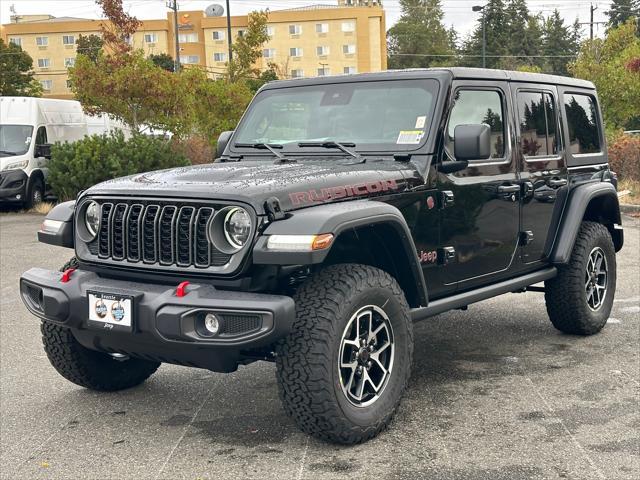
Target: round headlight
x,y
92,218
237,227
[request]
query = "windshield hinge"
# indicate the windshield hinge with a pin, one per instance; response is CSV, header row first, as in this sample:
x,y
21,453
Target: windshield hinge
x,y
273,209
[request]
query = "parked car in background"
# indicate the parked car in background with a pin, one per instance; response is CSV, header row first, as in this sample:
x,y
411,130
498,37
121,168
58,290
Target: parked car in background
x,y
28,127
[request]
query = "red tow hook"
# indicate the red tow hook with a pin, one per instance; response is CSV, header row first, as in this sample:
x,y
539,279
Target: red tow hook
x,y
66,275
181,290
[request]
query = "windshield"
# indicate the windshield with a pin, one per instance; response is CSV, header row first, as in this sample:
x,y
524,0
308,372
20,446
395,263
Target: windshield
x,y
392,115
15,139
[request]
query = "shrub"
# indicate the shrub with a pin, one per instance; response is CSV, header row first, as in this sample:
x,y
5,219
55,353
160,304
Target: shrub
x,y
197,149
624,157
79,165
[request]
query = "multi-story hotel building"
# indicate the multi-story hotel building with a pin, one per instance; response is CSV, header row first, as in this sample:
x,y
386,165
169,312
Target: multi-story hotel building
x,y
348,37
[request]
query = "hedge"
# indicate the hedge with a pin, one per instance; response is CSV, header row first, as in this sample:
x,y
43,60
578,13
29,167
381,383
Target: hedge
x,y
79,165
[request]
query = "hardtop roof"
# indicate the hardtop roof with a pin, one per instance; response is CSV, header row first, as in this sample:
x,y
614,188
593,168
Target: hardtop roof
x,y
441,72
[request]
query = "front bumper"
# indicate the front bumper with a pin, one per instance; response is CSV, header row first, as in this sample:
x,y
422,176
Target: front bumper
x,y
163,323
13,185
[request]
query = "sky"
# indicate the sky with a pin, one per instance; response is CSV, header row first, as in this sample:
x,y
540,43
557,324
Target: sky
x,y
456,12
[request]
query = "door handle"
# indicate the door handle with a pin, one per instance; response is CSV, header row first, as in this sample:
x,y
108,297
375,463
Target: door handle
x,y
557,182
508,188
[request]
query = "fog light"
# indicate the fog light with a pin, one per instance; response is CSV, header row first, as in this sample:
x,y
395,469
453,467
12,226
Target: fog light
x,y
211,323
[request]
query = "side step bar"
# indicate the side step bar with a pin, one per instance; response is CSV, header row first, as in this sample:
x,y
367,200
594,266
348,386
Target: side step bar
x,y
463,299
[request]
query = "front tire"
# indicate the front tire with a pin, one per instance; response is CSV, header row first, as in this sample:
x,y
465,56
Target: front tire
x,y
579,299
35,193
89,368
346,363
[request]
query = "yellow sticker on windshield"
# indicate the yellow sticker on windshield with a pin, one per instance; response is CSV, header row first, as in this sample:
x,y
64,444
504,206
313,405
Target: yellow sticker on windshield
x,y
409,137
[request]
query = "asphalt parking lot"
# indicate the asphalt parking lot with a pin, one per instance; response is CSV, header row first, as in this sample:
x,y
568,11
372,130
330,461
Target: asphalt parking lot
x,y
496,393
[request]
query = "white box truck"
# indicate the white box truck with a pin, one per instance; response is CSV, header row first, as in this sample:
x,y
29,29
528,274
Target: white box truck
x,y
28,127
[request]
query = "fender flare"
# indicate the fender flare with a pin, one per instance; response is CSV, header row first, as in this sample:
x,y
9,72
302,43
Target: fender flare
x,y
338,218
63,236
576,210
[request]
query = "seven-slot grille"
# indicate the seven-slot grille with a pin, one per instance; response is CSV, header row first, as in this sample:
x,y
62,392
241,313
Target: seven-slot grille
x,y
154,233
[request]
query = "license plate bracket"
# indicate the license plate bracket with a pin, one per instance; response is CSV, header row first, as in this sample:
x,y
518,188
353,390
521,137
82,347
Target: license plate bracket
x,y
110,311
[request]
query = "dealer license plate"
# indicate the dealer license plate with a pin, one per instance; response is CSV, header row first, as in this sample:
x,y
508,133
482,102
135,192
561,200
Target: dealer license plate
x,y
110,311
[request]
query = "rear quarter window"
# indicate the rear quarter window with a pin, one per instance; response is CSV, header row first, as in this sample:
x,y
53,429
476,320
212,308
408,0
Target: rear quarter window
x,y
582,120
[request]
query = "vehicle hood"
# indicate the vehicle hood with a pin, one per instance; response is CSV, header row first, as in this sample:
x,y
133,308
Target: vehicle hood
x,y
295,185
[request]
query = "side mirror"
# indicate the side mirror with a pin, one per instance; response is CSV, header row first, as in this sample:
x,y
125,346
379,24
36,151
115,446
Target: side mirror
x,y
472,142
223,140
43,150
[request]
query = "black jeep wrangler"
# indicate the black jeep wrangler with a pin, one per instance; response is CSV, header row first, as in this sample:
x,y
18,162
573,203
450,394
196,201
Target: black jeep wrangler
x,y
340,211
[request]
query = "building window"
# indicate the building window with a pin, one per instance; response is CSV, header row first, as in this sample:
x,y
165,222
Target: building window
x,y
219,57
582,119
271,31
188,38
68,40
479,106
297,73
537,120
189,59
269,52
349,49
348,26
44,63
322,51
69,62
295,52
150,38
42,41
47,85
241,33
350,70
295,29
16,41
218,35
324,71
69,84
322,28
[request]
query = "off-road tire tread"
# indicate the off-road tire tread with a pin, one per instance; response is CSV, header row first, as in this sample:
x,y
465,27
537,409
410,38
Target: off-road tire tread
x,y
303,358
564,294
89,368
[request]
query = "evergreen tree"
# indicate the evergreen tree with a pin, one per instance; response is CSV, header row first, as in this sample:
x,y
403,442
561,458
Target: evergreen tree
x,y
524,39
419,33
560,43
621,11
497,37
164,61
16,67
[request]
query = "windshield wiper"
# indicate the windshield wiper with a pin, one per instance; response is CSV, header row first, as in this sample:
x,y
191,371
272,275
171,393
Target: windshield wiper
x,y
7,152
263,146
339,146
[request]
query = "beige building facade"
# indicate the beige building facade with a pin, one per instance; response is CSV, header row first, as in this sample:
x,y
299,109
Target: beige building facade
x,y
304,42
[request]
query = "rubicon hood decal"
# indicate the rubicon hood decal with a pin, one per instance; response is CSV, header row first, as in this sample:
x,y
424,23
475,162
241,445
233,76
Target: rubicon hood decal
x,y
342,191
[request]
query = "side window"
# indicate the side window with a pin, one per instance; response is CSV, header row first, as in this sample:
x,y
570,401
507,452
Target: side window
x,y
479,106
537,119
582,119
41,136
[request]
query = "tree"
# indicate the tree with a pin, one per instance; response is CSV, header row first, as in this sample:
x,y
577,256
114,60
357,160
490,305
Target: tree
x,y
90,46
610,64
524,37
163,61
497,37
560,43
247,49
120,28
17,77
266,76
621,11
419,38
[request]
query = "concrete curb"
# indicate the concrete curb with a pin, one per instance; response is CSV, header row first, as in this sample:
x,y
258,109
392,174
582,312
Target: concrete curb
x,y
624,208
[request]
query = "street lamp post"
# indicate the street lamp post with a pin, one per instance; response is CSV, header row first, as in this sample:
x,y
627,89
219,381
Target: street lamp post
x,y
480,8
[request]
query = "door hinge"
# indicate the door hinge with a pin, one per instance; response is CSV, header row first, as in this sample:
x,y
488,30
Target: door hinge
x,y
447,198
526,238
446,255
